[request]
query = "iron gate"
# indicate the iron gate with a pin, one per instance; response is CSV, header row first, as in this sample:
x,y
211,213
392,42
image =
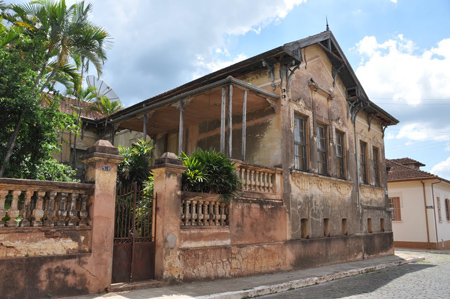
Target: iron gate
x,y
134,243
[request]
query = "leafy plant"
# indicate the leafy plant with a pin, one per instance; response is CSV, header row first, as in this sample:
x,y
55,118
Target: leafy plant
x,y
137,162
210,172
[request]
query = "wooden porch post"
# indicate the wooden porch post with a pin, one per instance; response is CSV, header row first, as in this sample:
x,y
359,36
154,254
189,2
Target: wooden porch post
x,y
244,126
230,121
144,131
222,122
180,130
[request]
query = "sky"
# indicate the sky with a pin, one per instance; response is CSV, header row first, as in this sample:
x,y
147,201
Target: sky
x,y
399,49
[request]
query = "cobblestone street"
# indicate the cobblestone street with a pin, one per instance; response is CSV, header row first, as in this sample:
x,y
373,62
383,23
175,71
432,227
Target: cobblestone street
x,y
425,279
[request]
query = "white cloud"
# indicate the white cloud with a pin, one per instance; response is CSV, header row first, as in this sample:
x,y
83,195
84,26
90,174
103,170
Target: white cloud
x,y
423,132
214,65
397,70
442,169
157,43
394,1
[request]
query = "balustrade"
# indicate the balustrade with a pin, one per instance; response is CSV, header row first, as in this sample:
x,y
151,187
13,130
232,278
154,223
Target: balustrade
x,y
258,179
203,211
27,203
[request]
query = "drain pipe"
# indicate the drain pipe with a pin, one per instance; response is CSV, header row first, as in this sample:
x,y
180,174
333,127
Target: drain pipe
x,y
426,214
357,164
435,221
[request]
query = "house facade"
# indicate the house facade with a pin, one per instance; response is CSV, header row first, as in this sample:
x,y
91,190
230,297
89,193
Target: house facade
x,y
420,204
298,123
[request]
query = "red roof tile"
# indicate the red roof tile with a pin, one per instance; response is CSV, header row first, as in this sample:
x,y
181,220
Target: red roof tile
x,y
399,172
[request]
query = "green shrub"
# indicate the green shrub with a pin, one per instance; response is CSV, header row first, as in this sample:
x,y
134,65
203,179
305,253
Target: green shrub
x,y
210,172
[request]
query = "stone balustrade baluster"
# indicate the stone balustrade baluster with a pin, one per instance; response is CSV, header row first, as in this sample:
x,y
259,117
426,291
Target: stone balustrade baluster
x,y
26,209
183,212
50,210
216,213
62,209
194,212
188,213
243,179
271,183
252,181
13,211
38,211
83,213
3,194
200,212
72,213
248,180
258,180
206,215
223,216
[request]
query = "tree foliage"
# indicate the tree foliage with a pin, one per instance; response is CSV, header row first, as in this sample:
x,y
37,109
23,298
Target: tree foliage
x,y
44,43
210,172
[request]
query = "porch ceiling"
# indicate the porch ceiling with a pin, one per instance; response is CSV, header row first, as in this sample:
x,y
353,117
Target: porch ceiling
x,y
204,106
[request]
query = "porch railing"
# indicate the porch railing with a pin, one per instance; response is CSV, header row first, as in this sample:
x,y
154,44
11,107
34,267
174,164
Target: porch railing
x,y
203,210
259,181
27,203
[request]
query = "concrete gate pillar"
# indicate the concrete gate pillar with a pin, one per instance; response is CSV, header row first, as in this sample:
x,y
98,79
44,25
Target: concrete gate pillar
x,y
101,160
167,194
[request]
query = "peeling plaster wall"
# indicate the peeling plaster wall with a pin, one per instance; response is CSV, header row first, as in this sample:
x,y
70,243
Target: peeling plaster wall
x,y
29,242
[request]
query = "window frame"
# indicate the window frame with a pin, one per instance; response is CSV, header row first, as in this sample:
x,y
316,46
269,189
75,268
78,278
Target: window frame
x,y
376,166
447,208
394,206
340,157
438,201
301,144
363,162
322,151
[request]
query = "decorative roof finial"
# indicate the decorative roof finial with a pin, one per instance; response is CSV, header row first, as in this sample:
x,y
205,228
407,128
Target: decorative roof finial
x,y
328,28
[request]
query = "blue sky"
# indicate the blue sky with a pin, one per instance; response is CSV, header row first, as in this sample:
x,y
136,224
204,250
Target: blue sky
x,y
400,51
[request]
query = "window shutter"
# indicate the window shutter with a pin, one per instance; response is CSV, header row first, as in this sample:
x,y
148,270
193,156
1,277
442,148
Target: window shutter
x,y
397,210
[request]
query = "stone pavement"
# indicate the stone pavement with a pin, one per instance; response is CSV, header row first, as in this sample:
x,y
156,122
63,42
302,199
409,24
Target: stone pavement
x,y
424,279
252,286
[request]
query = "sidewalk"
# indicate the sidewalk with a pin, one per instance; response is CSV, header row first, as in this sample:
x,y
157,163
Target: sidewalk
x,y
251,286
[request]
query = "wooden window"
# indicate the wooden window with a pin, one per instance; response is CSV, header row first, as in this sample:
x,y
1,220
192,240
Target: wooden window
x,y
322,149
340,158
381,224
394,205
300,143
447,208
376,166
439,209
363,162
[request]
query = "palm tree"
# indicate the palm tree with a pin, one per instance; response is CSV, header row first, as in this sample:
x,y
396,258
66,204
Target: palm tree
x,y
82,95
104,106
67,35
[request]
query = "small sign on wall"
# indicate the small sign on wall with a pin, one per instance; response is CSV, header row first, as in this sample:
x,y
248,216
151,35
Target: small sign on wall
x,y
106,168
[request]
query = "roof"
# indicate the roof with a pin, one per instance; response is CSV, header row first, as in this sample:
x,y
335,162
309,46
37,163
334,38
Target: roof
x,y
70,105
408,161
396,171
291,51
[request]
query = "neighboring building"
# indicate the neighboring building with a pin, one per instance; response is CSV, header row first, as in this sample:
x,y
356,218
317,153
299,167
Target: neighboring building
x,y
420,204
298,109
93,127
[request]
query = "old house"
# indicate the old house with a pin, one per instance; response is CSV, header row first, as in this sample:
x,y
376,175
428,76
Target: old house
x,y
308,145
420,205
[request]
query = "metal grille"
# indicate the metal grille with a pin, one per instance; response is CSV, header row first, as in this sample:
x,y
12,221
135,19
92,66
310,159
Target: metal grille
x,y
134,246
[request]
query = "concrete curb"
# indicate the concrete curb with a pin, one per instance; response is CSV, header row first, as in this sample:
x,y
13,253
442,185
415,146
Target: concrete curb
x,y
300,283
